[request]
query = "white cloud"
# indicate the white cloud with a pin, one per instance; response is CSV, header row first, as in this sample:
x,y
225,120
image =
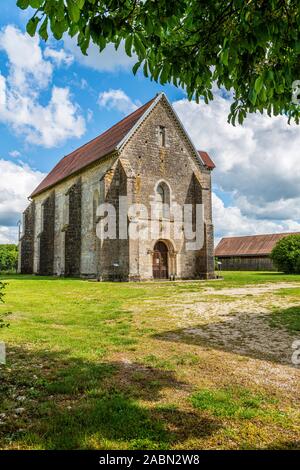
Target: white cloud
x,y
59,57
8,234
117,99
258,163
229,221
27,67
90,115
109,60
15,154
17,181
29,73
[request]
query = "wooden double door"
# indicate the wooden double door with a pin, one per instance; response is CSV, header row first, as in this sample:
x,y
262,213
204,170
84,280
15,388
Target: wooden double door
x,y
160,261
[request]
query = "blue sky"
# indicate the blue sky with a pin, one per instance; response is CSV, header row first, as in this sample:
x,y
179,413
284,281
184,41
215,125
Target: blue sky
x,y
53,99
137,87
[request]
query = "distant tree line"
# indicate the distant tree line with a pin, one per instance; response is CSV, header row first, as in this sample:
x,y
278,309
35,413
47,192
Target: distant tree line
x,y
8,257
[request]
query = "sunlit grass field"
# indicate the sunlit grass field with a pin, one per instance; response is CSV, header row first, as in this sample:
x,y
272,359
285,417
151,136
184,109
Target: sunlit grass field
x,y
109,365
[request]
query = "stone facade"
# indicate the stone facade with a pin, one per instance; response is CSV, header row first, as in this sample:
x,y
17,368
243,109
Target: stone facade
x,y
73,231
134,171
46,236
27,241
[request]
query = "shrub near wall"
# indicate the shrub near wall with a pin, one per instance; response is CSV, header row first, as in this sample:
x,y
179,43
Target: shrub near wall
x,y
8,258
286,254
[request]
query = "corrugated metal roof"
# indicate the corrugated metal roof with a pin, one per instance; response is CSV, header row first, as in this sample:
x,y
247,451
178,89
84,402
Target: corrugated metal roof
x,y
89,153
206,160
252,245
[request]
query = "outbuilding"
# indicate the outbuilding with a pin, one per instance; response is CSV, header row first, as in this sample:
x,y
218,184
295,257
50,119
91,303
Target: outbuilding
x,y
248,253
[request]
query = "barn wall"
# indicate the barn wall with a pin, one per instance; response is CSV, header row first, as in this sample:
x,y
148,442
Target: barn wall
x,y
247,263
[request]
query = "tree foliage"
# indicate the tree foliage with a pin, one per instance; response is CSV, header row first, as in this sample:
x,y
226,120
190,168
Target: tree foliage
x,y
249,47
286,254
8,257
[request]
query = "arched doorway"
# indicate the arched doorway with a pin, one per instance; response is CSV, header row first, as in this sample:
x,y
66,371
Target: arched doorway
x,y
160,261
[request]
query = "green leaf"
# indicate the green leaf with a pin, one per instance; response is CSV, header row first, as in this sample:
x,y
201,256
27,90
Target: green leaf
x,y
258,84
80,4
32,25
145,69
35,3
164,74
139,46
240,116
270,75
128,44
136,67
73,30
101,43
58,28
252,96
148,25
23,4
224,57
73,10
43,29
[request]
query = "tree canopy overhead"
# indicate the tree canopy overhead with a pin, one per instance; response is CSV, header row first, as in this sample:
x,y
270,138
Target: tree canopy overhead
x,y
251,47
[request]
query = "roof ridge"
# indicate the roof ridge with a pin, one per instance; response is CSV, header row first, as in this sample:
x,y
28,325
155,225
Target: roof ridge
x,y
260,235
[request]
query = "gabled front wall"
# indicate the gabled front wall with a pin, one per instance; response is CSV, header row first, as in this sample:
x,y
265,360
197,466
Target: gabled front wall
x,y
176,164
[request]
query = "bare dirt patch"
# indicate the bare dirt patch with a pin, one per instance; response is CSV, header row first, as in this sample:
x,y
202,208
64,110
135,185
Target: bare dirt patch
x,y
253,290
237,321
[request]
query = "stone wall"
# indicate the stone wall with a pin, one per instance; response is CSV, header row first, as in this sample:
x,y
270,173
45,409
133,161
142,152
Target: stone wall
x,y
46,245
114,253
189,182
73,232
26,247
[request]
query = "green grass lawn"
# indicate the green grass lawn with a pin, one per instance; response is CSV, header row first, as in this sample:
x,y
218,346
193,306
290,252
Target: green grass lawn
x,y
87,369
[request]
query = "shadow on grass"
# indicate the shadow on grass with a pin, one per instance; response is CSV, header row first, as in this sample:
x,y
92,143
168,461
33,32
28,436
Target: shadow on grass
x,y
273,274
33,277
259,336
70,403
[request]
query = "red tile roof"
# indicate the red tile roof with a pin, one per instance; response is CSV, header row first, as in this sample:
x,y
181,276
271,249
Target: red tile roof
x,y
89,153
252,245
206,160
